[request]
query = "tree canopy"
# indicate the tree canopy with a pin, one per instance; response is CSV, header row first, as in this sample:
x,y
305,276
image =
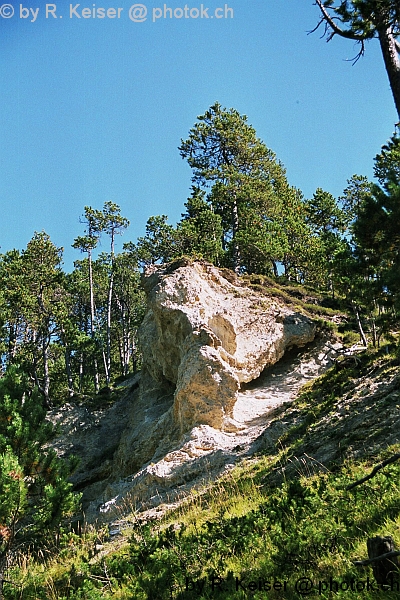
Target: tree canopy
x,y
245,182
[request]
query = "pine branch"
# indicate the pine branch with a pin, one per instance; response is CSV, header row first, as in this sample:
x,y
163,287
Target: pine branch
x,y
336,30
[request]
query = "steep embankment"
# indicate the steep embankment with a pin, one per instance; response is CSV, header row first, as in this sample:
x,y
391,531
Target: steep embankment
x,y
204,452
352,413
209,382
262,508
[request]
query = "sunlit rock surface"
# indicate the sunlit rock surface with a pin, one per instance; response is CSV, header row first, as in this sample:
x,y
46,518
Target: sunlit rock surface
x,y
206,335
199,403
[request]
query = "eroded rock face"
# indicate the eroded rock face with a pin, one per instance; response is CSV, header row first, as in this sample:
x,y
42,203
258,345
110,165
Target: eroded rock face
x,y
206,336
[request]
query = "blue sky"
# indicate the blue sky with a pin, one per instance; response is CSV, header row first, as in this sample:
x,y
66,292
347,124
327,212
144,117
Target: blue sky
x,y
94,109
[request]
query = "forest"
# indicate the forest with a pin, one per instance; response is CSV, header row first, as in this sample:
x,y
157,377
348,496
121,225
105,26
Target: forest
x,y
71,336
74,333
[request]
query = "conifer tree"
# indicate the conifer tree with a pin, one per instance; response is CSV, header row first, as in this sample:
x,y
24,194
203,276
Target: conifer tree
x,y
199,233
87,243
368,270
35,495
242,174
158,245
32,287
113,224
328,223
129,306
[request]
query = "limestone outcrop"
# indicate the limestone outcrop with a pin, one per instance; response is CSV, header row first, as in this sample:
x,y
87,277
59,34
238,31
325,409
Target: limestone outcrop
x,y
206,334
204,337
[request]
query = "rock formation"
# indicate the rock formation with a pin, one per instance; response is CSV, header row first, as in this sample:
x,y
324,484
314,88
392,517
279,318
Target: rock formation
x,y
205,335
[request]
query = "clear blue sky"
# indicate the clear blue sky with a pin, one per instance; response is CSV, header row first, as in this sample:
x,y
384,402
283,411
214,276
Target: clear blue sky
x,y
94,109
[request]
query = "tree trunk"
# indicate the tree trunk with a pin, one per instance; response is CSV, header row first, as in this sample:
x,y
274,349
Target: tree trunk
x,y
44,386
392,62
46,374
69,372
12,343
123,337
387,42
67,358
109,302
92,327
126,353
359,325
125,345
374,334
235,229
80,372
108,344
121,354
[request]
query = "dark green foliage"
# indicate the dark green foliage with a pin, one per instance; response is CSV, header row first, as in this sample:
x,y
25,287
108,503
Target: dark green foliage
x,y
354,197
158,245
377,231
61,327
32,289
327,222
199,233
35,495
246,183
365,16
387,162
374,262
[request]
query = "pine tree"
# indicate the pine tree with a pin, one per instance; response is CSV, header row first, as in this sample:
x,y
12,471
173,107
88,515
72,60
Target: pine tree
x,y
35,495
87,243
199,233
243,175
113,224
368,270
129,306
41,263
328,224
32,287
158,245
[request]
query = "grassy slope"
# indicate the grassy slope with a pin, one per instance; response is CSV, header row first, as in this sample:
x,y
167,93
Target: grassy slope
x,y
281,516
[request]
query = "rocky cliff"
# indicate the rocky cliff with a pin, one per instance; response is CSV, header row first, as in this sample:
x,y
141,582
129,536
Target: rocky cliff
x,y
204,337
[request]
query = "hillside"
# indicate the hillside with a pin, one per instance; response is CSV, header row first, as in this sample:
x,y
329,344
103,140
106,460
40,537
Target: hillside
x,y
261,510
212,372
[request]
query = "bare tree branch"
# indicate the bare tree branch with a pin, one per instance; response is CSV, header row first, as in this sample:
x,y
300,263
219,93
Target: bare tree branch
x,y
374,471
359,54
368,561
317,27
